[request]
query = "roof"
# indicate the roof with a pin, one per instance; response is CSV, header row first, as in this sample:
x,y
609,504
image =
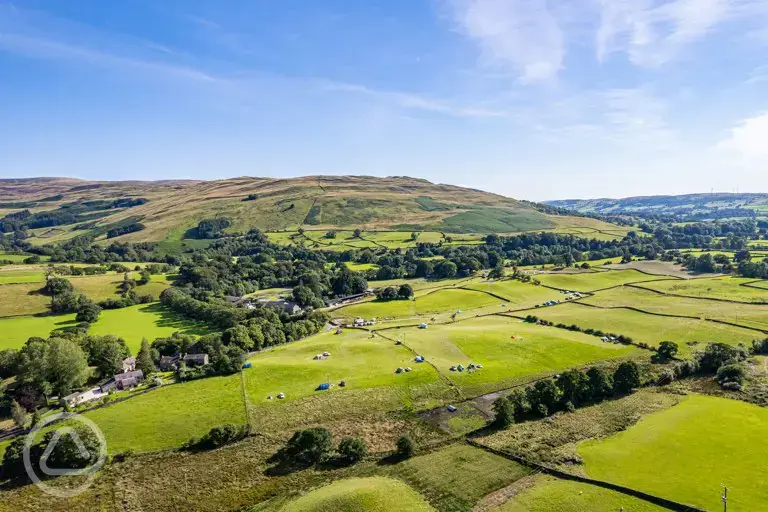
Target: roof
x,y
136,374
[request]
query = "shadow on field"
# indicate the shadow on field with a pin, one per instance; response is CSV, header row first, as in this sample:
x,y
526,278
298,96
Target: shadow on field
x,y
167,318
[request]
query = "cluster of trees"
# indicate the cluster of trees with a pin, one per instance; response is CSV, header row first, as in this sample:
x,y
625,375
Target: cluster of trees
x,y
65,299
403,292
315,445
218,437
133,227
70,213
569,390
210,228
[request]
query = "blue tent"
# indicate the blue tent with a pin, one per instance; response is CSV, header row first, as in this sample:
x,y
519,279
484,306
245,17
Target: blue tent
x,y
247,365
323,387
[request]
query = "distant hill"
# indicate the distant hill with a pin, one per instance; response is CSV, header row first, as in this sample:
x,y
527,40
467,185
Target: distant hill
x,y
61,208
699,206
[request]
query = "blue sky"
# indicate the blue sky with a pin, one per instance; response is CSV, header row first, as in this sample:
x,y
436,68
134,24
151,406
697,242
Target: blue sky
x,y
535,99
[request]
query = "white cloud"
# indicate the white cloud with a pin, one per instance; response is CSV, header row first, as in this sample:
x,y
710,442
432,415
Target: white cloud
x,y
653,33
523,36
748,140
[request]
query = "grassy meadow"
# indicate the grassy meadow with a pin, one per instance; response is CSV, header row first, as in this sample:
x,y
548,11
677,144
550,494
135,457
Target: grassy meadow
x,y
591,281
725,288
643,327
132,324
748,315
537,350
687,452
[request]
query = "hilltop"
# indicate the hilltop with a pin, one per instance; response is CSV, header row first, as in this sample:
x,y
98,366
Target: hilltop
x,y
167,210
696,206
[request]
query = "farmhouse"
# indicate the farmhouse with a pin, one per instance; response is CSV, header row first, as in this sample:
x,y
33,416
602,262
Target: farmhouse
x,y
338,301
169,363
129,364
82,397
290,307
128,380
362,322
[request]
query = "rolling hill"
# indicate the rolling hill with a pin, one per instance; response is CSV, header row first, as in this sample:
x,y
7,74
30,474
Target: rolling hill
x,y
692,206
56,209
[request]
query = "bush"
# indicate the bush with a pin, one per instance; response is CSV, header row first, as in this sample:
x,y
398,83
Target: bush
x,y
219,436
309,446
405,447
626,377
667,349
731,373
731,386
352,449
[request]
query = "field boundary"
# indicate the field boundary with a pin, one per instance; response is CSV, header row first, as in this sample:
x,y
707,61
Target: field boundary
x,y
650,498
637,285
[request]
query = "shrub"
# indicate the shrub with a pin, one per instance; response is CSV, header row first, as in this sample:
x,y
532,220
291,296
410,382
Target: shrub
x,y
720,354
352,449
219,436
542,409
667,349
731,386
405,447
731,373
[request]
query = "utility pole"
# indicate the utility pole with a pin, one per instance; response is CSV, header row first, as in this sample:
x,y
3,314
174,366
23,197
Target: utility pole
x,y
725,499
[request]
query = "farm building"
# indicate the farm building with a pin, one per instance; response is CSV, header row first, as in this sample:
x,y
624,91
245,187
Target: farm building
x,y
169,363
129,364
361,322
82,397
196,359
290,307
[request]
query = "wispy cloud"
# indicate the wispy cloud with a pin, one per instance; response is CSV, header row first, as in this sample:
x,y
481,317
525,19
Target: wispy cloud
x,y
414,101
653,33
522,36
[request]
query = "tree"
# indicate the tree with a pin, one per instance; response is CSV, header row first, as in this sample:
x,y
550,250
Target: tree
x,y
356,233
387,293
238,336
352,449
544,393
504,412
405,291
415,236
109,357
424,268
67,366
667,350
600,383
13,460
742,255
626,377
445,269
88,312
58,286
67,453
9,361
720,354
144,358
309,446
497,272
144,277
574,387
405,447
330,234
18,414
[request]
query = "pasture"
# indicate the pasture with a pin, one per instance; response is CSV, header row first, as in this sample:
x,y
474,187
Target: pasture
x,y
19,258
591,281
439,301
132,324
537,350
643,327
22,299
688,451
517,294
16,275
548,494
356,358
748,315
377,494
725,288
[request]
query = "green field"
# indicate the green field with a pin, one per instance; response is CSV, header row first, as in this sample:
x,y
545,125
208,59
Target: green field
x,y
728,288
488,341
686,453
591,281
132,324
22,275
749,315
375,494
19,258
444,300
517,294
168,417
22,299
548,494
642,327
361,361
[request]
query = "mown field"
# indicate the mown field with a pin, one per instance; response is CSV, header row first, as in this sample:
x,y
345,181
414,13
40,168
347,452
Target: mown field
x,y
725,288
591,281
688,452
643,327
